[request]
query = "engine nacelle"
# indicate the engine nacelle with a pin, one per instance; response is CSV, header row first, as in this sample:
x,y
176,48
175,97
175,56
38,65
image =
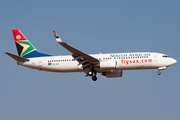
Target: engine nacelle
x,y
112,74
108,64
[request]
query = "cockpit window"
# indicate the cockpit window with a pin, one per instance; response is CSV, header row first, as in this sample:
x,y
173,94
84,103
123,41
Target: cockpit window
x,y
165,56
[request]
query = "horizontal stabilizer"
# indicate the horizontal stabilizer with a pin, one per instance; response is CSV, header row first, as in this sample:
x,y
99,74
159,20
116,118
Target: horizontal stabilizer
x,y
17,58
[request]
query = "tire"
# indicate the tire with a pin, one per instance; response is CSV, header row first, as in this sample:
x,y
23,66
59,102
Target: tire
x,y
159,73
90,73
94,78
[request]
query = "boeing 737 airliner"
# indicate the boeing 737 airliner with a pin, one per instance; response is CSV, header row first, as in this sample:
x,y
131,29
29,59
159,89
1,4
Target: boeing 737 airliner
x,y
110,65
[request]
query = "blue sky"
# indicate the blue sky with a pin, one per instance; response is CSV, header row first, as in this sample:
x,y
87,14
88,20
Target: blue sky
x,y
92,27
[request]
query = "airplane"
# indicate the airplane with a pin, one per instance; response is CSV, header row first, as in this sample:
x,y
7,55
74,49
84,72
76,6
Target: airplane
x,y
110,65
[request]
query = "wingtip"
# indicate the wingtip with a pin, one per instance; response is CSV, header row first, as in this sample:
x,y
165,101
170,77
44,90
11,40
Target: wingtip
x,y
55,34
58,39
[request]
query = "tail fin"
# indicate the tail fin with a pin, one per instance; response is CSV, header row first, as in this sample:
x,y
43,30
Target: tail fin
x,y
24,47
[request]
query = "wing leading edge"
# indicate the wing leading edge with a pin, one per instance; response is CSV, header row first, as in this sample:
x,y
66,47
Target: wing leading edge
x,y
83,58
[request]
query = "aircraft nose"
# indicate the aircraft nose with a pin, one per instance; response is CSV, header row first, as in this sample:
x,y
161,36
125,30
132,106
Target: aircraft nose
x,y
173,61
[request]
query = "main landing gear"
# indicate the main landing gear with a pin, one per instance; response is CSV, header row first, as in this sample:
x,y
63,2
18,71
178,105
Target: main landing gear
x,y
93,74
94,78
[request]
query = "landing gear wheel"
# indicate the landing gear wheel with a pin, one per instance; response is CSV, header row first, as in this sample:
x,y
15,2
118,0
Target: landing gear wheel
x,y
94,78
159,73
90,73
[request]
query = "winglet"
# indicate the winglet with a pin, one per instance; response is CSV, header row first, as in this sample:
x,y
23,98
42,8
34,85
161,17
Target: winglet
x,y
58,39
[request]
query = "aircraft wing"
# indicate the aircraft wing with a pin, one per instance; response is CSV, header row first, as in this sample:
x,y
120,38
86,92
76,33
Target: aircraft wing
x,y
83,58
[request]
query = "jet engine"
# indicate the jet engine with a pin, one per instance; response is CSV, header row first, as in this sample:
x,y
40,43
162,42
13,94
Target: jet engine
x,y
112,74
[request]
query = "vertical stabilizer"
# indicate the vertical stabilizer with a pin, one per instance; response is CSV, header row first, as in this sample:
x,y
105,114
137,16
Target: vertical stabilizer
x,y
24,47
22,44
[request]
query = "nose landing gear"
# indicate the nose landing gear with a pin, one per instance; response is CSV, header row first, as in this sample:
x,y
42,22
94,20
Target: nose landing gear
x,y
159,73
160,68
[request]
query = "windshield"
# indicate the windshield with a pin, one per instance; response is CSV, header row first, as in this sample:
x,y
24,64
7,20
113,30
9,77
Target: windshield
x,y
165,56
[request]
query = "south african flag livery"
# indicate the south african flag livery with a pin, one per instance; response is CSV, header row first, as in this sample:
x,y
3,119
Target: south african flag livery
x,y
24,47
55,34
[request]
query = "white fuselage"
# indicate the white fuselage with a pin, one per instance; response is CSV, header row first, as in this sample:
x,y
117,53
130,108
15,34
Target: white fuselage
x,y
108,62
